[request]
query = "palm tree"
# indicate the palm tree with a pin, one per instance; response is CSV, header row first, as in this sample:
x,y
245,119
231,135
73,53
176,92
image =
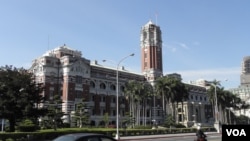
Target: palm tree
x,y
225,100
178,94
245,106
211,94
146,92
138,93
129,92
181,96
211,91
136,100
172,91
221,97
164,91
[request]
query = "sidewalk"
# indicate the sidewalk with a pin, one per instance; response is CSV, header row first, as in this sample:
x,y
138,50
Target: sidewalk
x,y
163,136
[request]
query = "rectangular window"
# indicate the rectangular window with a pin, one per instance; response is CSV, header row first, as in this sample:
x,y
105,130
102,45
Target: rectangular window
x,y
51,94
158,112
79,79
148,113
79,94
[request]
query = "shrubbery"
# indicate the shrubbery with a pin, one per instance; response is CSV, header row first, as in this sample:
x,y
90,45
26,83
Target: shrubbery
x,y
143,127
170,122
179,126
27,126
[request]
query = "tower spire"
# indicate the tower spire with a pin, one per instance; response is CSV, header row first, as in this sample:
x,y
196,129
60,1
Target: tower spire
x,y
156,18
151,51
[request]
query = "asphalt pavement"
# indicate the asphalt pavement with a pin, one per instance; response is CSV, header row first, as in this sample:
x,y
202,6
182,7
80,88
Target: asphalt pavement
x,y
124,138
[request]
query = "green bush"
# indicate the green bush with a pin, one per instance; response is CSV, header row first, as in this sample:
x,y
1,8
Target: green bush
x,y
179,125
143,127
27,126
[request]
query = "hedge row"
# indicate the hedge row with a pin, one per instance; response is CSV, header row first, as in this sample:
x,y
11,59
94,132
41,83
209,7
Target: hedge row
x,y
46,135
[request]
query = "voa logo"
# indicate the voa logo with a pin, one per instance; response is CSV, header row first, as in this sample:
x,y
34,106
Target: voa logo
x,y
236,132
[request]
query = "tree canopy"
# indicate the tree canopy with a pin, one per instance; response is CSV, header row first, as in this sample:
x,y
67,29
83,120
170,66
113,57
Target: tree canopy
x,y
19,96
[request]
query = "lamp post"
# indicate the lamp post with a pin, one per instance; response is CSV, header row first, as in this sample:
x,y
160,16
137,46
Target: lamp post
x,y
229,112
3,120
199,113
193,113
217,123
117,136
2,124
117,96
154,114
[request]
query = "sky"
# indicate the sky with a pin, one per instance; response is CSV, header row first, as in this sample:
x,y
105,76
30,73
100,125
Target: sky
x,y
202,39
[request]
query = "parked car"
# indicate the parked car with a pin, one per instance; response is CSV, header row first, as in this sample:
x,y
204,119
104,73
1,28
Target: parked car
x,y
84,137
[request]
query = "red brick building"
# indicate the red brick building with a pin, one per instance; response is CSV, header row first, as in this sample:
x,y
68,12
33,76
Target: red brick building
x,y
65,72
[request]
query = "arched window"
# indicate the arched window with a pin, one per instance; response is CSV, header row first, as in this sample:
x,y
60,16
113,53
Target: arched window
x,y
102,86
92,84
112,87
122,88
192,97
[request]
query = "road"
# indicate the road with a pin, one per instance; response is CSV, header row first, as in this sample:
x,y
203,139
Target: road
x,y
183,138
175,137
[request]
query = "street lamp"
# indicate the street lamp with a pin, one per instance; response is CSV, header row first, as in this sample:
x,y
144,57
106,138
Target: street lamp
x,y
117,95
216,108
229,112
199,113
154,114
3,120
193,112
217,118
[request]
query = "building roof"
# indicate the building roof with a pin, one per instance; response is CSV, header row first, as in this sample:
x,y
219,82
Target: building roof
x,y
63,49
120,69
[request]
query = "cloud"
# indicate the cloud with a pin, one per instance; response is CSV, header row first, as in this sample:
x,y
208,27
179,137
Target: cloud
x,y
231,74
182,45
174,47
209,72
196,43
170,47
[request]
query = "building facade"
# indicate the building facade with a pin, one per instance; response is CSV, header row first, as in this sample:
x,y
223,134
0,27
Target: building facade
x,y
243,91
245,72
65,72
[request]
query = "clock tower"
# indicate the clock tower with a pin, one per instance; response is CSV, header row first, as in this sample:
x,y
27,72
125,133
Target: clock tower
x,y
151,51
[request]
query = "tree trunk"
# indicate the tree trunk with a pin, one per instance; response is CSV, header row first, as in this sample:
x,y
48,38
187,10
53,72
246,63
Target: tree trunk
x,y
12,122
182,112
138,113
163,104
